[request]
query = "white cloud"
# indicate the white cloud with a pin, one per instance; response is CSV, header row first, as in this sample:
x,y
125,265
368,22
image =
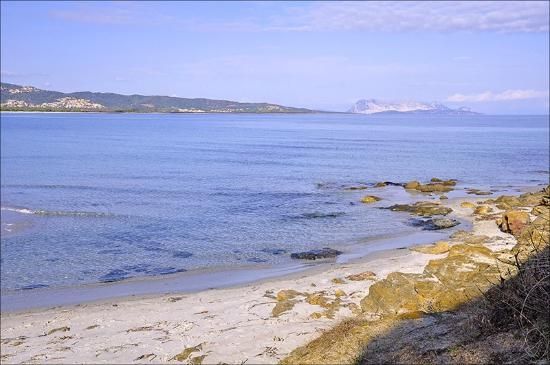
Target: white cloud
x,y
506,95
499,16
385,16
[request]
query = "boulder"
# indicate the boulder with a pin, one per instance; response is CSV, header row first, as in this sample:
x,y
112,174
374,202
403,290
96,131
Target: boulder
x,y
513,221
380,184
322,253
370,199
412,184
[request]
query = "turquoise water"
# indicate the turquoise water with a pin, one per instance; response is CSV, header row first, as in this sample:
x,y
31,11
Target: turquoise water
x,y
89,198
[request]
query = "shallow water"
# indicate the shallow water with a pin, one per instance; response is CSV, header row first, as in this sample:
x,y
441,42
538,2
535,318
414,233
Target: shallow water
x,y
90,198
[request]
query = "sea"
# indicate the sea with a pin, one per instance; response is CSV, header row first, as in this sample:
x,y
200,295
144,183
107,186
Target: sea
x,y
91,199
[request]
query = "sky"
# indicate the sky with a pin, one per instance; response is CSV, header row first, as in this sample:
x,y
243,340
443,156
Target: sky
x,y
490,56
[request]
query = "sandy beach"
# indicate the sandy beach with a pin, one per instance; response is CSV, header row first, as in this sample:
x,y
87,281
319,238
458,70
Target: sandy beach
x,y
256,323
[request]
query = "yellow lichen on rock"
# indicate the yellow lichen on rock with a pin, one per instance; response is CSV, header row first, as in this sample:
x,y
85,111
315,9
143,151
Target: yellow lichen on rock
x,y
467,205
365,275
437,248
287,294
370,199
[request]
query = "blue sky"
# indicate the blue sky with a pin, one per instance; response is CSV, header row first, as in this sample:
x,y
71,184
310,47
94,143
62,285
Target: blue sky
x,y
492,57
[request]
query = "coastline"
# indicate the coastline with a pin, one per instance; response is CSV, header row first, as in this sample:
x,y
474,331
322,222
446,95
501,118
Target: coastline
x,y
260,322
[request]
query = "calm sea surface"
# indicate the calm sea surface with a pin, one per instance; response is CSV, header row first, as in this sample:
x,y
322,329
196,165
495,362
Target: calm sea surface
x,y
90,198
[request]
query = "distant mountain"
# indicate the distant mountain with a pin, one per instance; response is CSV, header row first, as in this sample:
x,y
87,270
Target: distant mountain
x,y
372,106
28,98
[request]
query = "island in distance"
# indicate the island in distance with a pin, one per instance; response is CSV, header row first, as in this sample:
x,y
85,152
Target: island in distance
x,y
372,106
29,98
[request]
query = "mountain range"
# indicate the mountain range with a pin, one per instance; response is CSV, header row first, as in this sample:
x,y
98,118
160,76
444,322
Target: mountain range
x,y
29,98
372,106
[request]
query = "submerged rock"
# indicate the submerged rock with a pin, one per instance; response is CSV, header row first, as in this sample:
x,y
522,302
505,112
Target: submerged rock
x,y
424,209
468,205
472,191
370,199
182,254
323,253
274,251
356,187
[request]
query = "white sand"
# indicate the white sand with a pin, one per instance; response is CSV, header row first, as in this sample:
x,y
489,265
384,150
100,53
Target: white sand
x,y
232,325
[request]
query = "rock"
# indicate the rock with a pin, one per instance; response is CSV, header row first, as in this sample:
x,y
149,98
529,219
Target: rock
x,y
508,201
435,188
514,222
477,192
439,247
365,275
443,197
370,199
541,210
338,281
412,184
282,306
467,205
434,224
483,209
436,185
356,187
322,253
287,294
425,209
380,184
397,294
340,293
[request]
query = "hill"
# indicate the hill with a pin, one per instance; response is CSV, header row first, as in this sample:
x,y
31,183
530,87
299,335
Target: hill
x,y
29,98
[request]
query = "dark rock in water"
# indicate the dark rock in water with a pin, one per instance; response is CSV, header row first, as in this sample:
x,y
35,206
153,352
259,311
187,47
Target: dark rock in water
x,y
323,253
164,271
34,286
114,275
434,224
274,251
256,259
393,183
137,268
182,254
314,215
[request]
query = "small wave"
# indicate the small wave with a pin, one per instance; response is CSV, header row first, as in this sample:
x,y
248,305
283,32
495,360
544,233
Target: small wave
x,y
55,213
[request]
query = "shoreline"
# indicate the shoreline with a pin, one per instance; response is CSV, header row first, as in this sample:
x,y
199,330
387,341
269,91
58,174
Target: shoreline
x,y
261,322
200,280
